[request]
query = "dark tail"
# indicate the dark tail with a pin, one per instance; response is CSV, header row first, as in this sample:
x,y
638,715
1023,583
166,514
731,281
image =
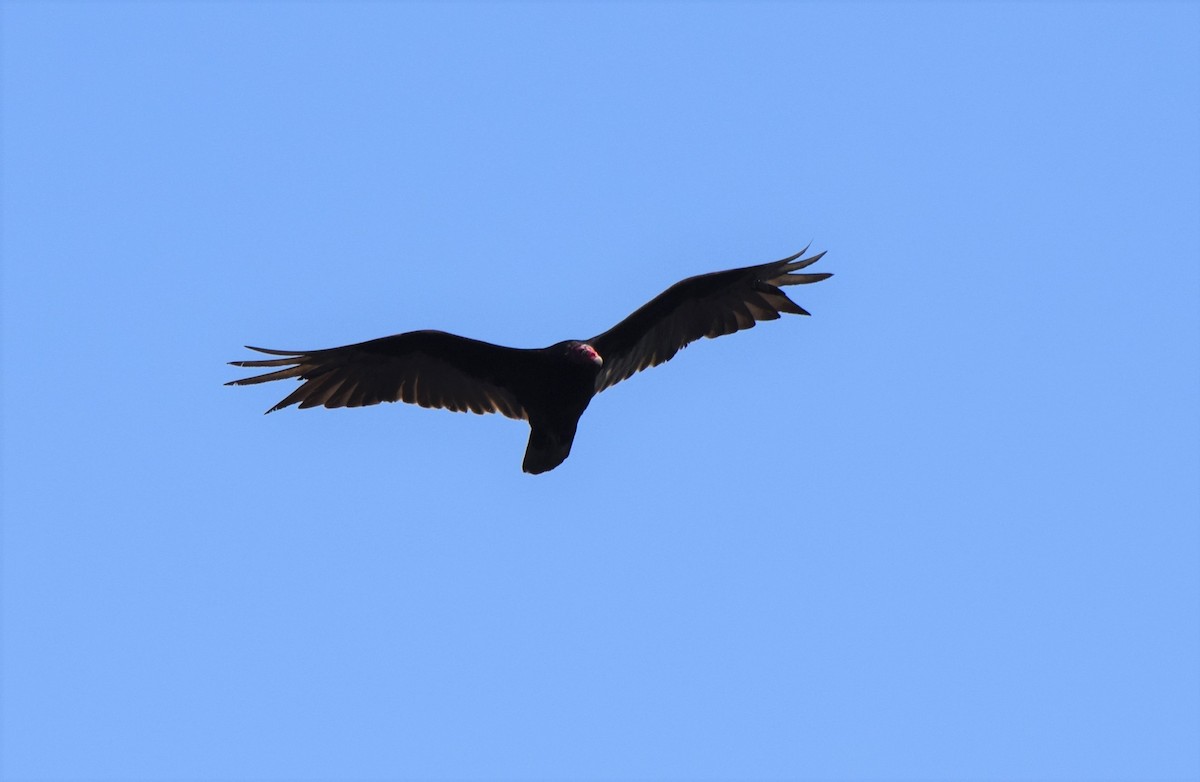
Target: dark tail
x,y
547,449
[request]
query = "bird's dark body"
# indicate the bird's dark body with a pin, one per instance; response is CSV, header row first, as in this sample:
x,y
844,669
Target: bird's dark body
x,y
551,387
556,392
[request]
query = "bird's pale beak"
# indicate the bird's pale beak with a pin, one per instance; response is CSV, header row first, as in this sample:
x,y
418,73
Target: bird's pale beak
x,y
588,353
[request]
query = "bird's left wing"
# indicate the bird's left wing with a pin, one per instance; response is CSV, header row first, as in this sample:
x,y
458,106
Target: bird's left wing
x,y
427,368
708,305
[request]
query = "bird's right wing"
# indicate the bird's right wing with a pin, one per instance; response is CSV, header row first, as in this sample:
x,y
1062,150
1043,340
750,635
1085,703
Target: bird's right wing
x,y
708,305
427,368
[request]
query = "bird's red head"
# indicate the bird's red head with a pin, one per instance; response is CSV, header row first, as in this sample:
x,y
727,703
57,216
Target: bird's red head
x,y
587,353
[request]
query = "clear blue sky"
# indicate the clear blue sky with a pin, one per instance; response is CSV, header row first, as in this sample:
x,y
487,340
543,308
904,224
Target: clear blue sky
x,y
947,528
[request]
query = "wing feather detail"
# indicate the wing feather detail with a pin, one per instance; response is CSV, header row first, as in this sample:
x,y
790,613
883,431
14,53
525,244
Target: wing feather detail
x,y
428,368
708,305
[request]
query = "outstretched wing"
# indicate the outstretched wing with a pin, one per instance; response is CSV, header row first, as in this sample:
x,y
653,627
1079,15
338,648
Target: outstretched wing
x,y
427,368
708,305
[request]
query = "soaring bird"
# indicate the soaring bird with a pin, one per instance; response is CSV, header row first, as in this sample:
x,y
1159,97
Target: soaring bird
x,y
551,387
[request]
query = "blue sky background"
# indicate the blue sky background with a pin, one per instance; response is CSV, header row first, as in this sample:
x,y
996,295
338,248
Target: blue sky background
x,y
947,528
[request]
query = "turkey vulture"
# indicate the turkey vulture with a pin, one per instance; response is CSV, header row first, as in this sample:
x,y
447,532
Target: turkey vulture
x,y
550,388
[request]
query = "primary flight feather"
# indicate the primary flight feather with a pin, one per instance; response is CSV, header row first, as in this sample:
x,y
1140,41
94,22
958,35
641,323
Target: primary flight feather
x,y
551,387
